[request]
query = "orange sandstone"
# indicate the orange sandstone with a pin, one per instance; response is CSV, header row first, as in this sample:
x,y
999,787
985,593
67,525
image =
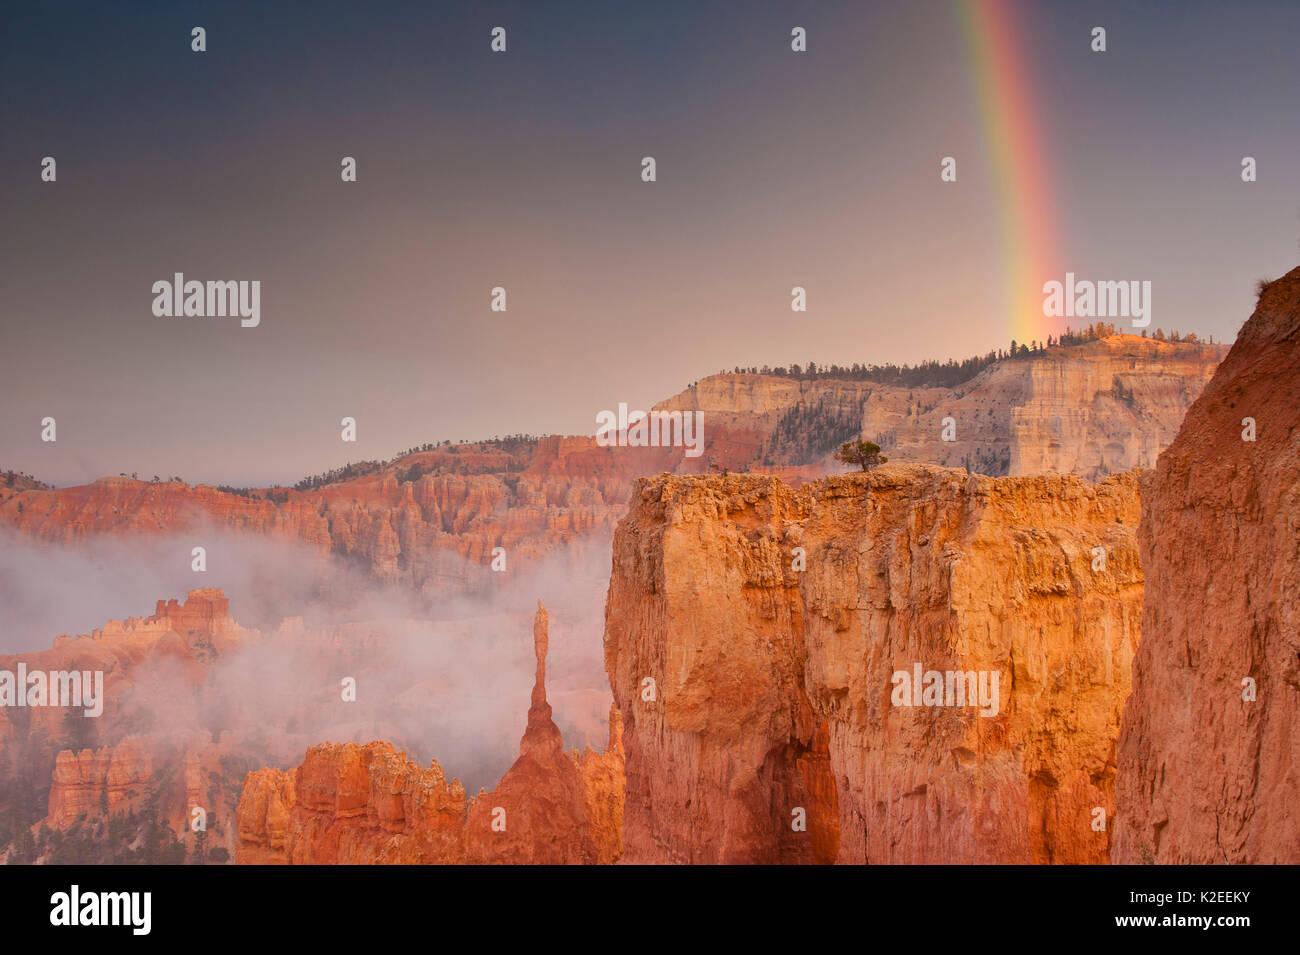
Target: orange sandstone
x,y
1209,756
353,804
752,631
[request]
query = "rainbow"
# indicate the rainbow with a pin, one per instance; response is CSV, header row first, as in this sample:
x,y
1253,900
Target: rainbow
x,y
1017,161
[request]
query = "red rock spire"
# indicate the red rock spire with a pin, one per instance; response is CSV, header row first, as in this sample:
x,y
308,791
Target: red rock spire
x,y
542,735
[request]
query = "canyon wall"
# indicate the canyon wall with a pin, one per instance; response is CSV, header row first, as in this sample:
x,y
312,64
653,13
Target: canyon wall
x,y
149,752
430,519
90,783
1209,758
356,804
428,532
1092,410
148,775
752,636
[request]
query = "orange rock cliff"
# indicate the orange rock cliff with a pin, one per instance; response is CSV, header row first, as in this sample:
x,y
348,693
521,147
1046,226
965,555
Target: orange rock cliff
x,y
1092,410
754,631
752,637
1209,756
365,804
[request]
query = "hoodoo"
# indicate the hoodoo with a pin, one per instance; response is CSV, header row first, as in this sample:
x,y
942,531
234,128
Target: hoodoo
x,y
353,804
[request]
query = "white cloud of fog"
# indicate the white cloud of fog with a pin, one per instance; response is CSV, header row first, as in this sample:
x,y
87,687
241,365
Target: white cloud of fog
x,y
444,674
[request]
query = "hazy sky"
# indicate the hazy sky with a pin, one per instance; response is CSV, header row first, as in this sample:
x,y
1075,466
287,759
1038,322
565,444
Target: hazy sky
x,y
522,170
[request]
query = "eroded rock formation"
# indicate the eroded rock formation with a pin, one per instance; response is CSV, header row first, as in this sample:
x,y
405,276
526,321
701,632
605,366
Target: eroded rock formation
x,y
752,634
351,804
92,783
788,717
170,777
1092,410
191,701
185,638
367,804
1209,759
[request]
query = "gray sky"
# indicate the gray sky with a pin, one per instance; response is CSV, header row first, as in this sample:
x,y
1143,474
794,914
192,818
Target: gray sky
x,y
522,170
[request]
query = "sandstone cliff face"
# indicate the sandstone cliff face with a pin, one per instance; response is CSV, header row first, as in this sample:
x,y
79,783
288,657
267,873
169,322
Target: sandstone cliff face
x,y
772,695
1091,410
1114,406
87,783
1206,775
429,533
263,817
353,804
171,776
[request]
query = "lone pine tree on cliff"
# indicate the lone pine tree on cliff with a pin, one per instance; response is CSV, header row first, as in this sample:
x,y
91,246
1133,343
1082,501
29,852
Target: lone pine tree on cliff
x,y
864,453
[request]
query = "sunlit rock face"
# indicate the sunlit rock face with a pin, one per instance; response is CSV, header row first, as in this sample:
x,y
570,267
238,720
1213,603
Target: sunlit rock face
x,y
1092,410
752,637
1209,758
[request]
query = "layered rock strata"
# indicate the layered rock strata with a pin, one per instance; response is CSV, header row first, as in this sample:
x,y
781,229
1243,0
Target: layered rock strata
x,y
431,519
753,637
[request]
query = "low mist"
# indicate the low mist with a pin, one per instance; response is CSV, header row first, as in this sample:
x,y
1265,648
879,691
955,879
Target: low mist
x,y
443,673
